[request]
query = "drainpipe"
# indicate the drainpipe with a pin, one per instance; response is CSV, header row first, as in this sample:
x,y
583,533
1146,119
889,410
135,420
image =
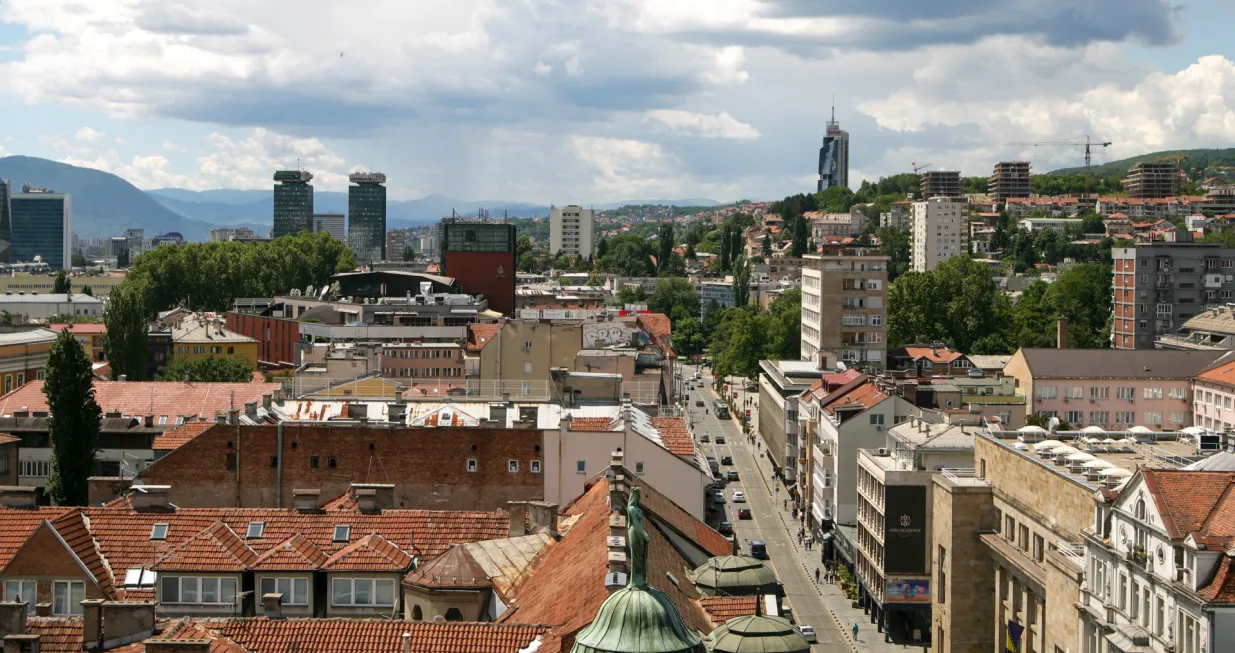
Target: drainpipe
x,y
278,473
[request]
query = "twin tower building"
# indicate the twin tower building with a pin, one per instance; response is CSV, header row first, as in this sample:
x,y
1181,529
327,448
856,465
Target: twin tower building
x,y
366,211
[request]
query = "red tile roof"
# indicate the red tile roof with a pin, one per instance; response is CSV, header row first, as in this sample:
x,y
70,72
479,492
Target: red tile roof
x,y
178,436
83,329
75,532
296,553
57,634
5,438
479,335
935,355
723,608
591,424
867,395
1188,501
170,398
659,327
370,553
261,635
19,525
1221,588
217,548
674,434
1224,374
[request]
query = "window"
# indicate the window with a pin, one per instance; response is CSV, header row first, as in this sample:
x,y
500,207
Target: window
x,y
1074,417
876,419
1139,510
342,533
534,466
1039,548
1125,417
1125,393
1160,617
158,532
39,374
1153,393
256,528
1145,606
472,464
1153,418
1135,599
21,590
581,467
200,590
1178,393
1099,393
67,596
1189,633
1099,417
512,466
942,589
876,320
1074,392
363,592
332,462
1122,597
295,591
33,467
1022,537
314,462
1099,578
1009,530
1048,392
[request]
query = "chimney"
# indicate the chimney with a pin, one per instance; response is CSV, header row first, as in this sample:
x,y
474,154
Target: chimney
x,y
92,623
1061,333
160,645
42,609
272,605
305,500
18,496
407,642
615,574
374,497
267,400
518,518
250,409
220,418
123,378
150,497
366,500
233,417
117,622
12,618
543,517
22,644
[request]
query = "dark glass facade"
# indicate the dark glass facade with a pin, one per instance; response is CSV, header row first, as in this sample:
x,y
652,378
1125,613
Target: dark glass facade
x,y
366,228
6,222
41,227
293,203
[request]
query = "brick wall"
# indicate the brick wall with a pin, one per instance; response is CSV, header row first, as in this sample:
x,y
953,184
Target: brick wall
x,y
44,559
427,466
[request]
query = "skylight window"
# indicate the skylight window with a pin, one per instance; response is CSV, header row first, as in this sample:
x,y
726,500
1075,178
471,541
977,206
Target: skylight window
x,y
256,528
342,533
158,532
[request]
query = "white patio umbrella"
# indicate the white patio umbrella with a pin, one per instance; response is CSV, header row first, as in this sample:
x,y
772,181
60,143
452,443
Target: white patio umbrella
x,y
1140,429
1114,472
1021,446
1047,444
1080,457
1032,429
1065,451
1093,429
1129,441
1098,463
1193,430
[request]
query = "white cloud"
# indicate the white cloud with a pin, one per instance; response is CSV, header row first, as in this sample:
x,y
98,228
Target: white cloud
x,y
89,136
250,162
721,125
170,146
120,141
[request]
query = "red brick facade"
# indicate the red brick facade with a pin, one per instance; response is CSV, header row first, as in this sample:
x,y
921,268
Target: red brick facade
x,y
276,337
230,466
491,274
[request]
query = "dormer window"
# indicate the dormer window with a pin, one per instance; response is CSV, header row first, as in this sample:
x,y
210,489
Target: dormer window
x,y
342,533
256,528
158,532
1139,510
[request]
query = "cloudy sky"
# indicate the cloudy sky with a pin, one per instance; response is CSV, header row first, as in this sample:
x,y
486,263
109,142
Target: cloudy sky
x,y
601,100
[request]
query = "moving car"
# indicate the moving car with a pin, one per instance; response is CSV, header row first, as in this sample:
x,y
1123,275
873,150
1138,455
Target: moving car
x,y
705,438
739,496
719,497
699,404
758,550
732,475
808,632
726,460
744,513
725,528
720,439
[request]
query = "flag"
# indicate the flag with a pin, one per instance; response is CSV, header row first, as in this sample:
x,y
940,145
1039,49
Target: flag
x,y
1014,637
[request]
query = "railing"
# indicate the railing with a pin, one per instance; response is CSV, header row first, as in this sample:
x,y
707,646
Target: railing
x,y
1074,552
958,473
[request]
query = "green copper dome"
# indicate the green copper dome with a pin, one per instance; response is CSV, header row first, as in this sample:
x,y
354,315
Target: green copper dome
x,y
637,620
757,634
735,576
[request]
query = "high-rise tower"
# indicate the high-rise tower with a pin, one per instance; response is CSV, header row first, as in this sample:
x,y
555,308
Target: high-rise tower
x,y
834,156
366,210
6,222
293,202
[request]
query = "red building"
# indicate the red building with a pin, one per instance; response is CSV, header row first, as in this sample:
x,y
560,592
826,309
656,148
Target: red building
x,y
481,258
276,336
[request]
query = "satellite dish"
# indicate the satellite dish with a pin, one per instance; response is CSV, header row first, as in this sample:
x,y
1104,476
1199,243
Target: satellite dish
x,y
309,291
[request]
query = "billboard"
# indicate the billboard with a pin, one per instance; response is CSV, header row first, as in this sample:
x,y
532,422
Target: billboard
x,y
907,591
905,538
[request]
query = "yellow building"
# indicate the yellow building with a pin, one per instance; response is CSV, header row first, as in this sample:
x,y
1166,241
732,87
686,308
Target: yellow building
x,y
23,356
100,286
89,335
197,336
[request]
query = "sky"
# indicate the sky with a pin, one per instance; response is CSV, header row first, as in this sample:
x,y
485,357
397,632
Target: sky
x,y
591,101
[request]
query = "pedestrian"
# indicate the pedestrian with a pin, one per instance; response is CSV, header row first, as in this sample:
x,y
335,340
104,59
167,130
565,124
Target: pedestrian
x,y
816,575
855,631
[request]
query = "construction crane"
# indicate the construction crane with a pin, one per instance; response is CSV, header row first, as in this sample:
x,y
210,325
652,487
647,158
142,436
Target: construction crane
x,y
919,168
1087,145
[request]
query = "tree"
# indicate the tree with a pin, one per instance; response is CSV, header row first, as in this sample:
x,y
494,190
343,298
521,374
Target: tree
x,y
122,259
523,245
741,282
73,420
674,293
958,304
409,254
894,243
79,261
602,247
688,335
664,247
690,252
837,199
62,285
87,291
801,233
227,369
632,295
767,245
628,255
126,339
785,333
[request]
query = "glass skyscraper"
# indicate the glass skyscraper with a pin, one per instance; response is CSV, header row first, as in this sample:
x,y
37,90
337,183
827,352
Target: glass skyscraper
x,y
366,215
42,226
834,156
293,202
6,221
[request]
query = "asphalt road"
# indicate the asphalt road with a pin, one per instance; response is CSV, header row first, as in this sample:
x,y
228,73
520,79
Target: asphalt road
x,y
767,523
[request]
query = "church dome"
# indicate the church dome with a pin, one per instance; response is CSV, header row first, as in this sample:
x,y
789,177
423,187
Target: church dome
x,y
757,634
637,620
734,575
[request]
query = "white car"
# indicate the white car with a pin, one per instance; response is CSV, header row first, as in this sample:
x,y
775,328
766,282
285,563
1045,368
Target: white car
x,y
739,496
808,632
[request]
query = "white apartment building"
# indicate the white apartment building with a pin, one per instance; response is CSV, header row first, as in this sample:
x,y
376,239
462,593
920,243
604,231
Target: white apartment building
x,y
939,232
571,229
844,306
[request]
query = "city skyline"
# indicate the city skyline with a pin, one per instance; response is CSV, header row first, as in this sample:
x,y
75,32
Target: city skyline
x,y
734,115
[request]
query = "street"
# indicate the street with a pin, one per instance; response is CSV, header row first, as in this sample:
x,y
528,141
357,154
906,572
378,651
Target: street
x,y
770,523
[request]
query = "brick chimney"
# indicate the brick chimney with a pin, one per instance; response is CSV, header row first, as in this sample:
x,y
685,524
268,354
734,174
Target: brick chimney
x,y
1061,333
542,516
108,624
12,618
305,500
518,518
18,496
23,643
151,497
615,574
272,605
374,497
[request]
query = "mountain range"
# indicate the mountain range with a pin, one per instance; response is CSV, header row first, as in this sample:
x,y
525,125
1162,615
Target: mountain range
x,y
105,204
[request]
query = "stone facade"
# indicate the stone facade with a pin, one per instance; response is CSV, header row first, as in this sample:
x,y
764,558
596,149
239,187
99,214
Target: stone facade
x,y
962,573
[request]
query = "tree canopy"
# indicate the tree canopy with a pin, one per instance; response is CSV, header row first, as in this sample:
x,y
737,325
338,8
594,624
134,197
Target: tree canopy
x,y
225,369
73,420
672,294
126,338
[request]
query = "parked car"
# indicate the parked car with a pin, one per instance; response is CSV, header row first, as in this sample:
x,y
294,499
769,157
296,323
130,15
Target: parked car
x,y
720,439
725,528
758,550
739,496
705,438
726,460
699,404
719,497
732,475
744,513
808,632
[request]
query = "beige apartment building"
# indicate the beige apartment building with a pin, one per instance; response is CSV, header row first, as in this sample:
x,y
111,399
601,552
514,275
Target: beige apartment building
x,y
844,307
938,232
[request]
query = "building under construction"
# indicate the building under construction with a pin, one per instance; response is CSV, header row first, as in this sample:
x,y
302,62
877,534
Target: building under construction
x,y
1147,180
941,183
1009,179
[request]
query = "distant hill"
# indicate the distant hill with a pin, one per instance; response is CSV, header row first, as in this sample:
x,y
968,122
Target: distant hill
x,y
1199,164
103,204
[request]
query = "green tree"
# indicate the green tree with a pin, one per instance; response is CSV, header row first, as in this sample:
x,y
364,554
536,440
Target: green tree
x,y
664,247
785,332
62,285
741,282
690,252
122,259
73,420
79,261
125,341
767,245
801,234
87,291
958,304
837,199
632,295
894,243
673,293
523,245
628,255
688,335
602,247
409,254
227,369
737,343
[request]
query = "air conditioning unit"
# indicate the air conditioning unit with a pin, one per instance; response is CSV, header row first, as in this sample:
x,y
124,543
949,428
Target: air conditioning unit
x,y
882,451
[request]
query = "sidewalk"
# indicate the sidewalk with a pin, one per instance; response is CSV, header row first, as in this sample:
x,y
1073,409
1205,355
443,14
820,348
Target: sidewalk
x,y
869,640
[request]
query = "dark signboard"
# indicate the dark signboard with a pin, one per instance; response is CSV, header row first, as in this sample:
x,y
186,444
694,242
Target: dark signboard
x,y
905,538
